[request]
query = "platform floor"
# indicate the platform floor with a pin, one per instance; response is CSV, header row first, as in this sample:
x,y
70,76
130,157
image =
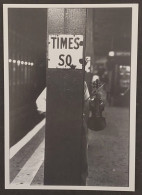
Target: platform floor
x,y
108,154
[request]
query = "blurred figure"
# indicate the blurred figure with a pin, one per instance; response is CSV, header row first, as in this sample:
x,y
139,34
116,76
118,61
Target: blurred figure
x,y
96,120
96,101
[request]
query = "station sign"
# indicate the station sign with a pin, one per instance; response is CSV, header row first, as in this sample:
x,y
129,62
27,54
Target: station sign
x,y
65,51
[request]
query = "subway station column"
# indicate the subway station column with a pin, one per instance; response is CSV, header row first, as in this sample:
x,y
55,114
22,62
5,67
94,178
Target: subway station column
x,y
89,51
65,95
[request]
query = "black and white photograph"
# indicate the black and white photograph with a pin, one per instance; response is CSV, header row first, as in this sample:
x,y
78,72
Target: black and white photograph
x,y
70,80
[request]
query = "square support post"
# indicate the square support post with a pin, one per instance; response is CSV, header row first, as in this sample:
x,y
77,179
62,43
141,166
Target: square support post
x,y
65,98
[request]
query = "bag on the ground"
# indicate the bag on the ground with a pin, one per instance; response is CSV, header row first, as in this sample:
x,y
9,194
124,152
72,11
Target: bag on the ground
x,y
96,123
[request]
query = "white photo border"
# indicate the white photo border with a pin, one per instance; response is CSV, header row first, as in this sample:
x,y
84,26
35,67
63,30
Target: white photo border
x,y
133,87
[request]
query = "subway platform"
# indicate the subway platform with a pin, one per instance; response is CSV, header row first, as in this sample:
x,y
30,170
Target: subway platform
x,y
108,152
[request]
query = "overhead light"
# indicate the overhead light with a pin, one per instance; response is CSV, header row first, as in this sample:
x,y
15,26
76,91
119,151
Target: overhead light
x,y
128,68
111,53
18,62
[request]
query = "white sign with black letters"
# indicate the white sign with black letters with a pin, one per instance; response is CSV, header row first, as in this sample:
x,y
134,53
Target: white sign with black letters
x,y
65,51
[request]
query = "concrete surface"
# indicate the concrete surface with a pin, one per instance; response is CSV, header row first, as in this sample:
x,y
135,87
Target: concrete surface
x,y
107,154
